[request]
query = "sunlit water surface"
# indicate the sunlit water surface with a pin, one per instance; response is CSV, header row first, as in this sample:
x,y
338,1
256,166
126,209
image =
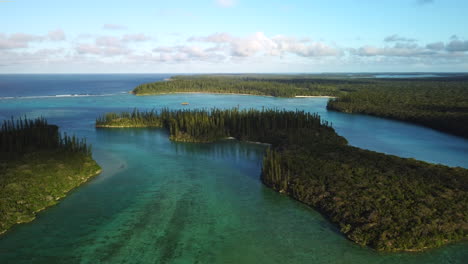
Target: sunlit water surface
x,y
163,202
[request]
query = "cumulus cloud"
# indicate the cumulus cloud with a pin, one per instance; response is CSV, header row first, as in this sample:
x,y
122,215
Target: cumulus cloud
x,y
185,53
9,43
457,45
40,56
304,47
96,49
56,35
110,45
398,50
135,38
396,38
226,3
113,27
106,41
18,40
214,38
436,46
22,40
454,49
259,43
103,46
165,49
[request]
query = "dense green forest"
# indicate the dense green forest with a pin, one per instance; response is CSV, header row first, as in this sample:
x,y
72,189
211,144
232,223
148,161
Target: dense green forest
x,y
25,135
38,166
244,84
377,200
439,103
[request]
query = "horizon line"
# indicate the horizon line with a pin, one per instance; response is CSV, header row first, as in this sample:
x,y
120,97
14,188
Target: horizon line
x,y
238,73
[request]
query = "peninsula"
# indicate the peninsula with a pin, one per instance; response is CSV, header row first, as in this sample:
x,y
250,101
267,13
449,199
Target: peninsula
x,y
376,200
38,166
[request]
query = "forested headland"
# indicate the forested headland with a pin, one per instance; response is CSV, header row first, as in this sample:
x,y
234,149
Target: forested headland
x,y
38,166
439,103
377,200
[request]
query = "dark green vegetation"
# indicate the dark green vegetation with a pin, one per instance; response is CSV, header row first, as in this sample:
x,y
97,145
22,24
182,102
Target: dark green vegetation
x,y
377,200
244,84
439,103
38,166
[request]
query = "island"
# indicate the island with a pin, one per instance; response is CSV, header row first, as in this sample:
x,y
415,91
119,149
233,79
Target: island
x,y
439,103
382,201
38,166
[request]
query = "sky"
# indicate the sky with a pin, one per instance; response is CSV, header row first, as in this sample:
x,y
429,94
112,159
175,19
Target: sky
x,y
237,36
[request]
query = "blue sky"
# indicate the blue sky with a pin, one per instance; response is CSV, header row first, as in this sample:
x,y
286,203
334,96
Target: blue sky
x,y
233,36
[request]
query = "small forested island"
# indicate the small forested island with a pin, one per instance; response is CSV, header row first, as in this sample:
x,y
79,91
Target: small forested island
x,y
440,103
376,200
38,166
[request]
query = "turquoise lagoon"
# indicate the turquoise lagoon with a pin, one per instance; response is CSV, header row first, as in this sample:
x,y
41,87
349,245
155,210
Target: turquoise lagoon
x,y
163,202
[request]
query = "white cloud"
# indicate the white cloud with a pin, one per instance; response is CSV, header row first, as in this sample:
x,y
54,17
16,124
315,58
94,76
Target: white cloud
x,y
113,27
454,50
259,43
40,56
109,46
214,38
106,41
135,38
396,38
303,47
18,40
56,35
185,53
22,40
101,50
398,50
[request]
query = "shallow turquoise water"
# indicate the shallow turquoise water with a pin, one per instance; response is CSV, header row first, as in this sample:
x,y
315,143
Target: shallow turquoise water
x,y
163,202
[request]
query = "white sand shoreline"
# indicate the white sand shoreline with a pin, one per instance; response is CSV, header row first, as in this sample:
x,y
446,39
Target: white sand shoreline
x,y
314,96
297,96
131,92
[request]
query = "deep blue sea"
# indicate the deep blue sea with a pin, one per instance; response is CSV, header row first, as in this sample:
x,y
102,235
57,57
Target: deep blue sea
x,y
163,202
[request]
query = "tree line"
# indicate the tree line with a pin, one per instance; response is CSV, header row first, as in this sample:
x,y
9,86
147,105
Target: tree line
x,y
19,136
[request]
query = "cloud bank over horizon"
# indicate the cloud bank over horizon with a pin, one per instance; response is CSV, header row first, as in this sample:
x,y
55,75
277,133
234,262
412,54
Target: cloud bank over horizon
x,y
21,49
